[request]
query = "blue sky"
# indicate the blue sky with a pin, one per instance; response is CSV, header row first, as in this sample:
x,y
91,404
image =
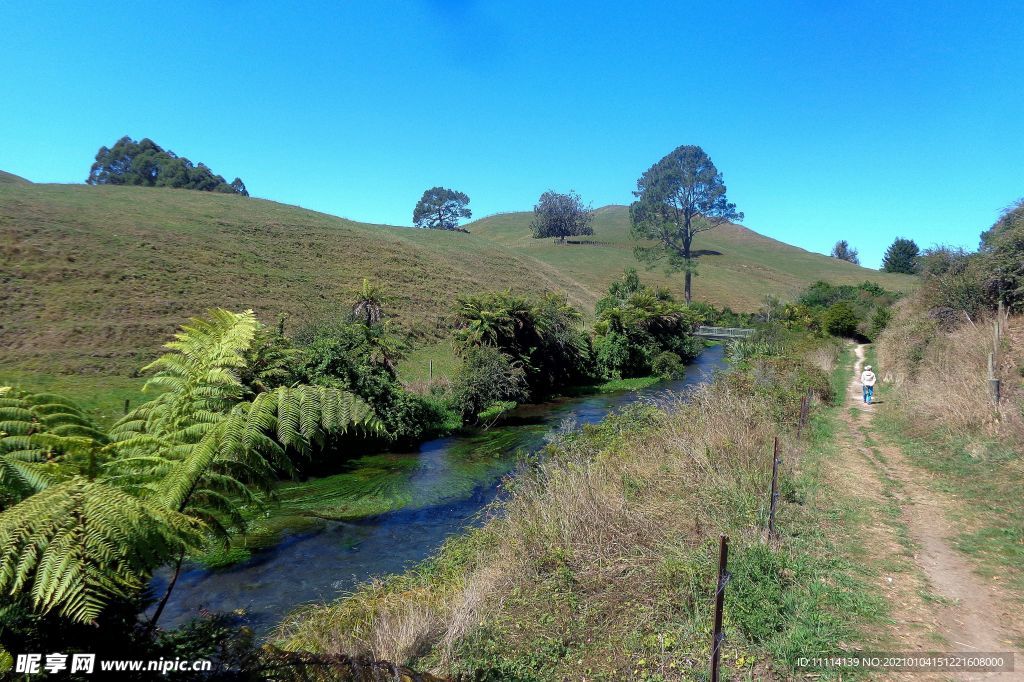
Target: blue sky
x,y
856,120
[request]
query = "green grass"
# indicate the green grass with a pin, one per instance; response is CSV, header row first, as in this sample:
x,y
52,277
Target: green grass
x,y
740,266
97,278
837,605
631,384
102,397
437,360
979,474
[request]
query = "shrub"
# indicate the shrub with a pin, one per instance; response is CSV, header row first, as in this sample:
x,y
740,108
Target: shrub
x,y
613,355
1005,267
636,324
954,284
545,336
745,350
841,319
488,376
668,365
360,358
879,321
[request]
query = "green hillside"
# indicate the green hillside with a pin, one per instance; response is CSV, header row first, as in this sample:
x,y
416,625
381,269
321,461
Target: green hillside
x,y
738,268
96,278
11,178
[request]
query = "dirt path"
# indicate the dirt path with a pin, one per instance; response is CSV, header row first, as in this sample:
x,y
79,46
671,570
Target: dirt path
x,y
957,610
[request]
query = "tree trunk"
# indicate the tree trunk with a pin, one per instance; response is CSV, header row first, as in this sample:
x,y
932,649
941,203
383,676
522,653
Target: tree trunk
x,y
167,594
686,262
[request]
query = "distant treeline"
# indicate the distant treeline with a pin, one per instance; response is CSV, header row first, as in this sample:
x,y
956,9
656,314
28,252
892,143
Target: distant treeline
x,y
147,164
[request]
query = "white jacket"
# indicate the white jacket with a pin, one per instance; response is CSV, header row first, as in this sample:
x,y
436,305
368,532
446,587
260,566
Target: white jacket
x,y
867,378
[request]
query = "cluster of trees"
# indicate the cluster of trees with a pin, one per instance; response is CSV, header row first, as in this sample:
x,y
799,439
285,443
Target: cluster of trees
x,y
902,256
515,349
146,163
959,285
851,311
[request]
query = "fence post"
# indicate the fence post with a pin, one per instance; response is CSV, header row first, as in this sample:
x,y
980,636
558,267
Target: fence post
x,y
723,577
805,407
774,499
127,404
430,370
993,380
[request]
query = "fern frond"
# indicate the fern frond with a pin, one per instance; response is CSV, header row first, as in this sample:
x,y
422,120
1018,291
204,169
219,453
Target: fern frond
x,y
77,545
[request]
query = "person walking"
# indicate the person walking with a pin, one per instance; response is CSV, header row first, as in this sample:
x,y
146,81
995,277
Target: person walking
x,y
867,380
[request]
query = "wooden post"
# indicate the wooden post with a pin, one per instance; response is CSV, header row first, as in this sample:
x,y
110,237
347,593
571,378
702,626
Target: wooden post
x,y
718,637
993,380
773,500
127,404
430,370
805,410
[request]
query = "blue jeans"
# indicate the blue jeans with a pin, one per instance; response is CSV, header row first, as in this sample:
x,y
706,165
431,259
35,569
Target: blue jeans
x,y
869,392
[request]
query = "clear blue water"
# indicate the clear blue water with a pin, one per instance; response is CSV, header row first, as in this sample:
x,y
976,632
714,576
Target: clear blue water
x,y
450,481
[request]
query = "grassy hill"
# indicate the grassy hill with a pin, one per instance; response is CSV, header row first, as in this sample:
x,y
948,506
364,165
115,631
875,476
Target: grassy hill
x,y
11,178
737,268
96,278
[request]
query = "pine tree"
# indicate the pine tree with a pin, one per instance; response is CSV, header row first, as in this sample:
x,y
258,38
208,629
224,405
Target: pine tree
x,y
901,256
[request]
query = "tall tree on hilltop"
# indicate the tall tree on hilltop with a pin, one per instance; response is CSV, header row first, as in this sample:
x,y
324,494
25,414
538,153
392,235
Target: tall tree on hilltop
x,y
901,256
843,251
441,209
561,215
677,198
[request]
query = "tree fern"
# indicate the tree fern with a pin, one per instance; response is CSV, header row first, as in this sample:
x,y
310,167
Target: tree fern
x,y
78,544
197,445
174,469
43,438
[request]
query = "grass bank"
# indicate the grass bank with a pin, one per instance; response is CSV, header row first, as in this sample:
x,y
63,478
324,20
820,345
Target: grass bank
x,y
600,561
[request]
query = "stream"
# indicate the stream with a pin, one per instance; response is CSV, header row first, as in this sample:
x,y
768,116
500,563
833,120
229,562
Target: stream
x,y
436,490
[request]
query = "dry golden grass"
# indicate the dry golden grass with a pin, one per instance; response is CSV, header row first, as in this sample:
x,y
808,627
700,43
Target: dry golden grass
x,y
941,376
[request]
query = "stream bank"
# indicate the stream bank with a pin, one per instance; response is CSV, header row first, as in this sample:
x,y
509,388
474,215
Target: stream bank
x,y
441,487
